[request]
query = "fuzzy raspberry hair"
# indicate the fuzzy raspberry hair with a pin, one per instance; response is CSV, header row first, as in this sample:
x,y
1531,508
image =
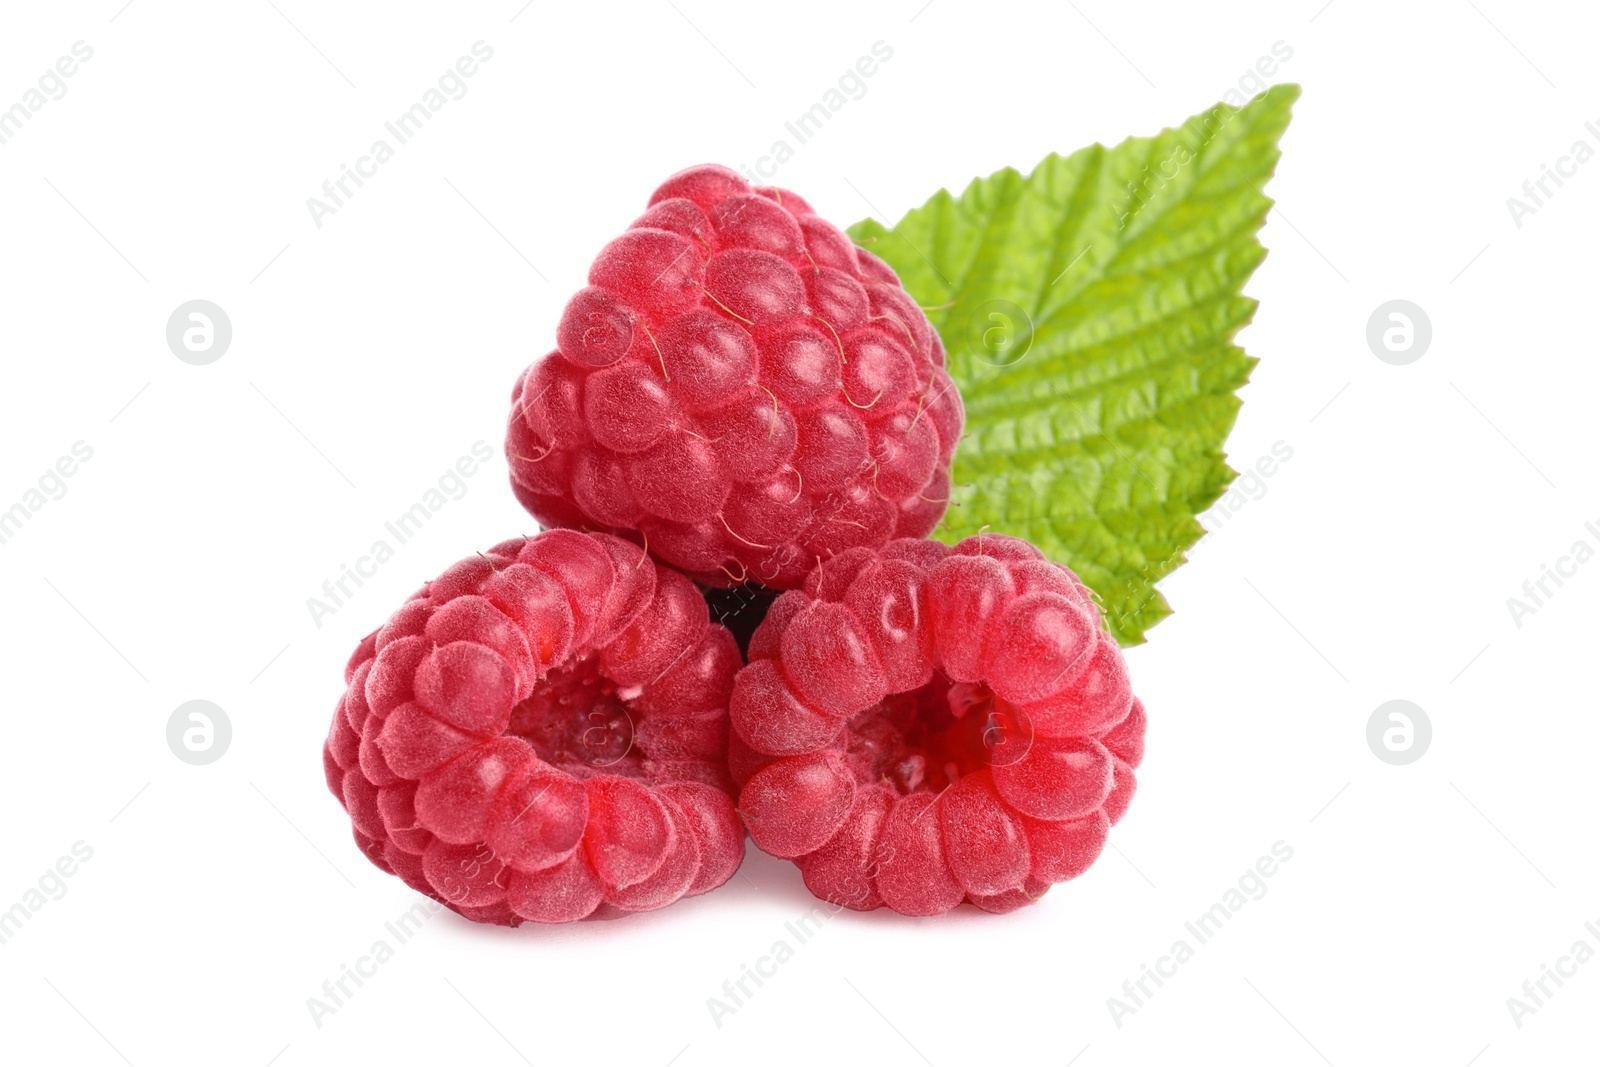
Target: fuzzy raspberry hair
x,y
924,725
740,388
540,734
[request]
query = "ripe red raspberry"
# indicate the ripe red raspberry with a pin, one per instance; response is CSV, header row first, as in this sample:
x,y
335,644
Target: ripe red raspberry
x,y
540,733
924,725
742,387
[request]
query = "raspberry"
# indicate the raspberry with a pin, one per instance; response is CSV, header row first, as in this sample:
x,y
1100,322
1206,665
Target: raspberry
x,y
921,725
540,734
740,388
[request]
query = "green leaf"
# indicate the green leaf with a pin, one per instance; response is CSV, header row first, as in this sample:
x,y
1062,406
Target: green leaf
x,y
1088,310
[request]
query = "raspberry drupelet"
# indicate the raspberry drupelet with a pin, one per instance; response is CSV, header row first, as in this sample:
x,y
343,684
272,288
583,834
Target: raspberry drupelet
x,y
540,734
741,389
921,725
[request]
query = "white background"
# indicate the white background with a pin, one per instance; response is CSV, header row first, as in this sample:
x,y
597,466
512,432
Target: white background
x,y
370,353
